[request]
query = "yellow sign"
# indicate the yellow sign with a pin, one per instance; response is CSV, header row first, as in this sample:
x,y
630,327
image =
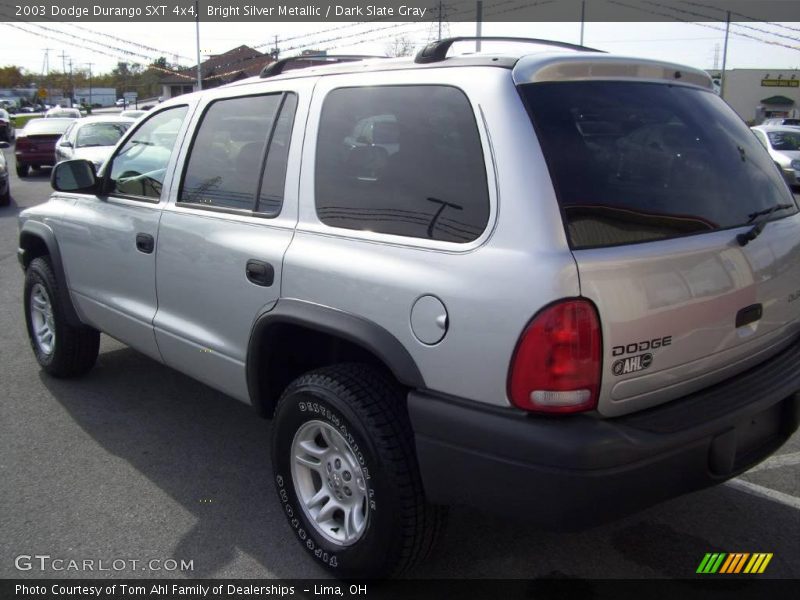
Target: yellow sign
x,y
780,83
42,93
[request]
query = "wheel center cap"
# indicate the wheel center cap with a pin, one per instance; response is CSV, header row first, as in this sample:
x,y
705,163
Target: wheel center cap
x,y
337,480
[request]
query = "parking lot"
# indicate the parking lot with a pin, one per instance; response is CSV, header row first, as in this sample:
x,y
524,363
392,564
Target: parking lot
x,y
136,461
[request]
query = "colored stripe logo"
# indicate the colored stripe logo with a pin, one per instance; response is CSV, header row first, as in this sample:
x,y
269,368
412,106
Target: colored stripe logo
x,y
734,563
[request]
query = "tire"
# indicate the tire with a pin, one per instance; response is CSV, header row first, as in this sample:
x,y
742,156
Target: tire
x,y
22,170
5,198
71,351
392,526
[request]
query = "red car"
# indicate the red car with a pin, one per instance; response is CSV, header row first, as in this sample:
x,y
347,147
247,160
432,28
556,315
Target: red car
x,y
36,143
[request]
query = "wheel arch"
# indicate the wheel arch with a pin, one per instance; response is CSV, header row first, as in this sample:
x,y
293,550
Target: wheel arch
x,y
36,239
298,336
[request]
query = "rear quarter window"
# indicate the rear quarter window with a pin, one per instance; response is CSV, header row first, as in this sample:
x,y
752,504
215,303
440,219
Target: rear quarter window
x,y
636,162
401,160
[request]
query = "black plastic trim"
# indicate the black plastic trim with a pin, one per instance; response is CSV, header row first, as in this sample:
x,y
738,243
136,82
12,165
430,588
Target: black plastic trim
x,y
437,51
368,335
567,472
35,229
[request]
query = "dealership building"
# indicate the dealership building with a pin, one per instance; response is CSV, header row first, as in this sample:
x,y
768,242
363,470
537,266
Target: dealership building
x,y
757,94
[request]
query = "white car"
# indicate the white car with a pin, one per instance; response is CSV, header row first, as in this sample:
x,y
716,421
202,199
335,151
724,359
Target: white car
x,y
63,113
783,145
121,102
92,138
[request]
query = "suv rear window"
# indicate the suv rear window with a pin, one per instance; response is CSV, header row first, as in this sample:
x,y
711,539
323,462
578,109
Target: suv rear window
x,y
635,162
403,160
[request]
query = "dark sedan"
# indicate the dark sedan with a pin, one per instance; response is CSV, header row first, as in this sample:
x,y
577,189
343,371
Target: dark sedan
x,y
6,126
36,143
5,191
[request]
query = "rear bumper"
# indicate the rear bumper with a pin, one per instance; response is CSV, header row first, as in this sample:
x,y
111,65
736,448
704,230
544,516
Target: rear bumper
x,y
581,470
38,158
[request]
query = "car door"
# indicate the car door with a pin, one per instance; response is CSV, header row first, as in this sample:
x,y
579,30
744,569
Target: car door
x,y
223,236
107,241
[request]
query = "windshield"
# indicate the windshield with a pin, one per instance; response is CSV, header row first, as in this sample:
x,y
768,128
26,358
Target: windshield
x,y
784,140
635,162
100,134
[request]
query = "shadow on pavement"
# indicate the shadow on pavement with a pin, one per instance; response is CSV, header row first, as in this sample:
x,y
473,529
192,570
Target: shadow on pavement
x,y
206,450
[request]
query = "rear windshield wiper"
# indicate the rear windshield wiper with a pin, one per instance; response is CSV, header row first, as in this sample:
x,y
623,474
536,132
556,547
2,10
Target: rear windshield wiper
x,y
755,231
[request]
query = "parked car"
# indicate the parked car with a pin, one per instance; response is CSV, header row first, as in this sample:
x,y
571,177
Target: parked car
x,y
778,121
132,114
91,138
783,145
63,113
512,311
121,102
6,126
36,143
5,186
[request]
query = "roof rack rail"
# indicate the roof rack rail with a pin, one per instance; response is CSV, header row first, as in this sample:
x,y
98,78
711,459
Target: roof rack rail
x,y
278,67
437,51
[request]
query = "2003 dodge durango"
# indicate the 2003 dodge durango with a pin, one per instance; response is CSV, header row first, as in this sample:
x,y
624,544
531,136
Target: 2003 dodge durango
x,y
563,284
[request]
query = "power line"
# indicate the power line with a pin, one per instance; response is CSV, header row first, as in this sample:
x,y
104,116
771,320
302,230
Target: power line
x,y
706,25
738,14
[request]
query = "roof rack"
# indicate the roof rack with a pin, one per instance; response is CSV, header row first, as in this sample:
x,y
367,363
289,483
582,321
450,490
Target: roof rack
x,y
437,51
279,66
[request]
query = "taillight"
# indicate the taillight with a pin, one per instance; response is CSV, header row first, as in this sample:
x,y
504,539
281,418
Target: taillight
x,y
21,143
556,366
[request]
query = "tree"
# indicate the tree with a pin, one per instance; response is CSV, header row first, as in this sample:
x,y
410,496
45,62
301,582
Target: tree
x,y
399,46
12,77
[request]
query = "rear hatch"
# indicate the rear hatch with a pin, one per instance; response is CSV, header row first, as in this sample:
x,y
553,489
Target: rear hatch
x,y
684,233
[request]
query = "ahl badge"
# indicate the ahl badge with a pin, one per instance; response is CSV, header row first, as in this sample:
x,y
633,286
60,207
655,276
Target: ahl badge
x,y
632,364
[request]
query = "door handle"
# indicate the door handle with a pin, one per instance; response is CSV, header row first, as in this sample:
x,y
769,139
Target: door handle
x,y
260,273
145,243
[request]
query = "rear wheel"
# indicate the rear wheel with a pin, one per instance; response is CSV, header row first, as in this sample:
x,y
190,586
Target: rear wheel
x,y
60,348
22,169
5,197
346,472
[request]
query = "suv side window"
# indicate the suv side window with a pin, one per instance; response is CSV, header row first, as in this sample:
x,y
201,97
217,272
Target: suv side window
x,y
402,160
224,168
139,167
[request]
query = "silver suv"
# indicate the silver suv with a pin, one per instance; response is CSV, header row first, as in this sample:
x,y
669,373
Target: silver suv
x,y
562,286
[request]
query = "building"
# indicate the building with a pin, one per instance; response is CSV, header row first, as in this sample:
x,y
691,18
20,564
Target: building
x,y
757,94
219,69
95,96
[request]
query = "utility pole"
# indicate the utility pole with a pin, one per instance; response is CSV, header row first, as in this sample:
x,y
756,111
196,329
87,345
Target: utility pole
x,y
197,31
478,24
724,55
583,18
63,72
71,88
46,63
275,51
440,20
90,86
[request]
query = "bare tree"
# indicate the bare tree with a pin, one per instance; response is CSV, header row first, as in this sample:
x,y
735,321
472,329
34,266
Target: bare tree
x,y
399,46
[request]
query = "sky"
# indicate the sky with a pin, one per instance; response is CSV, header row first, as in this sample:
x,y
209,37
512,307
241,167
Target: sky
x,y
695,44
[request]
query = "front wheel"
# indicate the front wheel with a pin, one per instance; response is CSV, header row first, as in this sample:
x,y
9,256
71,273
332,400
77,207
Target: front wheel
x,y
346,472
22,170
60,348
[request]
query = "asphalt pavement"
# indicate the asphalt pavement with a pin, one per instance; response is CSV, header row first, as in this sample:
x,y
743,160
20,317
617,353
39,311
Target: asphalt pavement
x,y
137,462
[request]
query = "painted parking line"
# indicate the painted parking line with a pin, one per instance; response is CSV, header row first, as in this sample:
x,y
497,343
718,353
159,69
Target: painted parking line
x,y
764,492
775,462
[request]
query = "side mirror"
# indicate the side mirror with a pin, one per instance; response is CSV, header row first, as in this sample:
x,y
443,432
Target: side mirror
x,y
5,145
74,176
66,144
